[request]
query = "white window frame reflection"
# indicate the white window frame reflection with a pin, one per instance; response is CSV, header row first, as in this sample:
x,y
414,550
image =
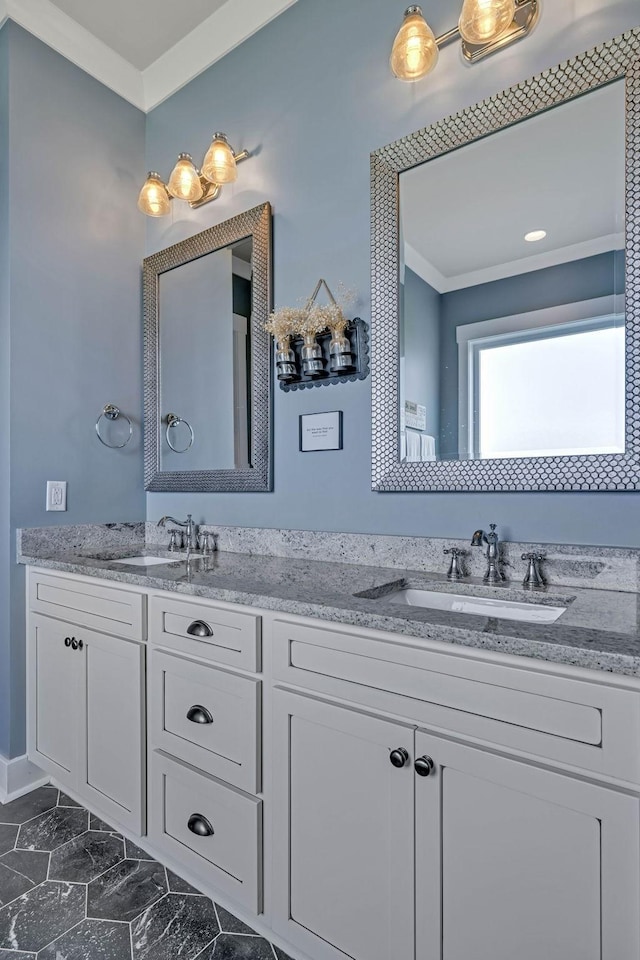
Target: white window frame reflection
x,y
567,319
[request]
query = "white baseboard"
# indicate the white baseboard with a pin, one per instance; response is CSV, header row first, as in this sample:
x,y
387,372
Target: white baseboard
x,y
19,776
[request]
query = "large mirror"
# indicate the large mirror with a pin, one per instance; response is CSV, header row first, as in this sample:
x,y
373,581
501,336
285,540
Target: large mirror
x,y
207,359
504,357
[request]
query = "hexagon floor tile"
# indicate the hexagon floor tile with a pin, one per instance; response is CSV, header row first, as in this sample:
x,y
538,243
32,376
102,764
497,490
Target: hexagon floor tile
x,y
86,857
53,828
178,927
126,890
92,939
72,888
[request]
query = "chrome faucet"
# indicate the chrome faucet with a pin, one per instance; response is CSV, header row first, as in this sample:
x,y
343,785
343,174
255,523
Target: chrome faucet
x,y
494,573
188,524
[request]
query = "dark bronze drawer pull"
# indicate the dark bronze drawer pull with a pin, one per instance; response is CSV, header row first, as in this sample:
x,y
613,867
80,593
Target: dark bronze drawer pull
x,y
200,825
399,757
424,766
199,714
199,629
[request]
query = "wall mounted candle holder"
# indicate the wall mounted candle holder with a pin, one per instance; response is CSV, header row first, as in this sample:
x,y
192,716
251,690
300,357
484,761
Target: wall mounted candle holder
x,y
356,335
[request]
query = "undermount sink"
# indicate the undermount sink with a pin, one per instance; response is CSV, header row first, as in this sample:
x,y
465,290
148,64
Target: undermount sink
x,y
146,561
480,606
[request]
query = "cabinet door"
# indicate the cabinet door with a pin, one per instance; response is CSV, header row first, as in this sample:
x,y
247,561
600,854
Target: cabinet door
x,y
518,861
53,690
112,758
343,831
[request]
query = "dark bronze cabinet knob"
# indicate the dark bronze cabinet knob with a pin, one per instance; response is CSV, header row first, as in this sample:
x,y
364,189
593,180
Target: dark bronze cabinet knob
x,y
199,714
67,641
424,766
399,757
80,644
74,644
200,825
199,629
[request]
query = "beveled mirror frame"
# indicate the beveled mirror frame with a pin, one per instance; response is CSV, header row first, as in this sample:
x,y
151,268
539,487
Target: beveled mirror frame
x,y
616,59
255,223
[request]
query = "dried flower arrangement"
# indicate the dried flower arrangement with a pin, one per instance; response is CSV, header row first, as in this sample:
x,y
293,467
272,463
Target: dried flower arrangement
x,y
312,318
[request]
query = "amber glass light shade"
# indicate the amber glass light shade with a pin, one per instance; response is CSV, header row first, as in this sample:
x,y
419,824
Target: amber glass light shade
x,y
482,21
415,51
153,198
219,164
184,182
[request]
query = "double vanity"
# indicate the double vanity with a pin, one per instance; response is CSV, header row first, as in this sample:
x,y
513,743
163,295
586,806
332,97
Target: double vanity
x,y
401,751
352,775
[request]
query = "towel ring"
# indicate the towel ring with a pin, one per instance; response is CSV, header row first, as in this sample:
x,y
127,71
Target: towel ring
x,y
111,412
173,421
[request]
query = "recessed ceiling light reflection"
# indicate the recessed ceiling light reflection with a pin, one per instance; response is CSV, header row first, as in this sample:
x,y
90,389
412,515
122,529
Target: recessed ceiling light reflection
x,y
535,235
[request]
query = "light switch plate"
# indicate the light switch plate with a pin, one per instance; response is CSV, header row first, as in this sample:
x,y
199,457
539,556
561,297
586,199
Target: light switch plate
x,y
56,494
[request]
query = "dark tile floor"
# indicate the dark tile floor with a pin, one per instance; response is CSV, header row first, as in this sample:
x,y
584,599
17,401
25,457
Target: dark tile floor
x,y
71,888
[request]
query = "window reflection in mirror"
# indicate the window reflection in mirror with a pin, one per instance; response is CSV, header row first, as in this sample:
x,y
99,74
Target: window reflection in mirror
x,y
204,332
512,290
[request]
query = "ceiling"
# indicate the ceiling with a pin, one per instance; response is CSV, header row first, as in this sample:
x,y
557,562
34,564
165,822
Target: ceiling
x,y
139,30
145,50
464,215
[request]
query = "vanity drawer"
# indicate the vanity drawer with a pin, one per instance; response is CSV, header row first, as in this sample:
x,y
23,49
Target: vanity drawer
x,y
208,717
108,609
589,725
206,631
223,845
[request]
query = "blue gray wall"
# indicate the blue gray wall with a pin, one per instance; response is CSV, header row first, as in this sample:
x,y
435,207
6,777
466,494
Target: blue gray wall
x,y
311,94
6,553
74,338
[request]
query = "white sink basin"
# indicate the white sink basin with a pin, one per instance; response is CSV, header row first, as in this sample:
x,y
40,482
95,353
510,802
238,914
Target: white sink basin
x,y
481,606
147,561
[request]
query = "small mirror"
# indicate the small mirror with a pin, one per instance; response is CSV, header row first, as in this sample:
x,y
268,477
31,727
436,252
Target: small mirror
x,y
207,359
512,276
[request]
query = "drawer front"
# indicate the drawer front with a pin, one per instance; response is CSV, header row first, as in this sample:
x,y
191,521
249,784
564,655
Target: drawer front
x,y
213,829
588,725
108,609
208,717
206,631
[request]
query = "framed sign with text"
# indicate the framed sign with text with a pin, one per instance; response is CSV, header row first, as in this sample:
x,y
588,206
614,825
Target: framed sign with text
x,y
321,431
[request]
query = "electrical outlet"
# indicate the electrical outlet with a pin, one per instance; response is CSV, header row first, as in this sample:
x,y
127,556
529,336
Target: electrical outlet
x,y
56,494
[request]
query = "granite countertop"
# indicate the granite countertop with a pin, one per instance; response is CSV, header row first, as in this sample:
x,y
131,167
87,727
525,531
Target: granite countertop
x,y
599,630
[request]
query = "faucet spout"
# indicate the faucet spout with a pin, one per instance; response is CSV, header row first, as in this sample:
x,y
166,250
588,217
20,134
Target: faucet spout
x,y
494,573
189,526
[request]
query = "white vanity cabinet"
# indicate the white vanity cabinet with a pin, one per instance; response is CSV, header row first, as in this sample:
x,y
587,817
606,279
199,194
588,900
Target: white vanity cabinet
x,y
412,800
343,831
514,860
205,744
86,701
392,840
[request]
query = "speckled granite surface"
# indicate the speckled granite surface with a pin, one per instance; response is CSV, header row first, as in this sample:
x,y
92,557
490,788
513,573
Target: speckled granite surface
x,y
599,630
604,568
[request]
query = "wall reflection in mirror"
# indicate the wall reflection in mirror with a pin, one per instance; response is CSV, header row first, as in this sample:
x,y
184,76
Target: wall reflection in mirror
x,y
205,356
512,339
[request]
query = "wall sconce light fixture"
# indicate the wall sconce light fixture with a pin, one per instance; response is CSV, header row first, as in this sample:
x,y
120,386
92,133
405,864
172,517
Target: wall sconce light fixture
x,y
484,27
187,183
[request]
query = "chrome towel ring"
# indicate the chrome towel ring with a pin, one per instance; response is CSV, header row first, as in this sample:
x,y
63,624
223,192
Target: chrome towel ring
x,y
111,412
172,422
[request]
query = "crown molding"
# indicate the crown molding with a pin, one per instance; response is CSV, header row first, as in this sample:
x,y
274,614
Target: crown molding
x,y
220,33
59,31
